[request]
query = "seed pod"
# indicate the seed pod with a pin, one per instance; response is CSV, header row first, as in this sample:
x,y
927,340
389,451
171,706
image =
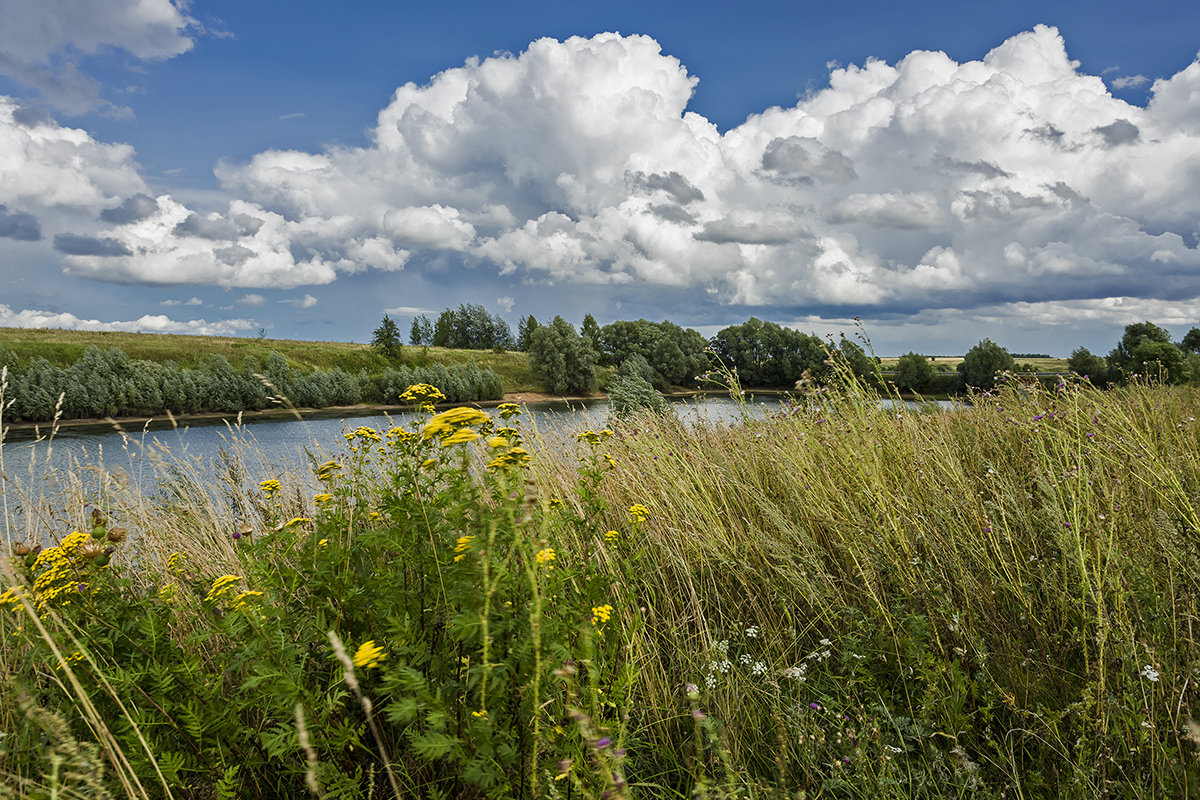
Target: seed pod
x,y
90,549
20,549
98,532
102,560
97,517
117,535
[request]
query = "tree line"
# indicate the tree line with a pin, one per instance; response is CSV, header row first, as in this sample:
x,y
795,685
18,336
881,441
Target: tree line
x,y
108,383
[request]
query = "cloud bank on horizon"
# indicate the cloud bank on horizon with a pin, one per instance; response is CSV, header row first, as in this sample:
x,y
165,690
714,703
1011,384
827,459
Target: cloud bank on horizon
x,y
1015,185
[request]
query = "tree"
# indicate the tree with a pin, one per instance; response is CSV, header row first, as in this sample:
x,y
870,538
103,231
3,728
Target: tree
x,y
1191,341
983,362
631,393
1093,367
590,331
1161,361
421,332
386,339
913,372
525,329
561,358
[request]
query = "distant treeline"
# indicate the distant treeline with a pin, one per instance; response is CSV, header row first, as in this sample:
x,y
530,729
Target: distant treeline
x,y
108,383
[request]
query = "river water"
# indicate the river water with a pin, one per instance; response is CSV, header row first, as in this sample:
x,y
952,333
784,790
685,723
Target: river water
x,y
274,445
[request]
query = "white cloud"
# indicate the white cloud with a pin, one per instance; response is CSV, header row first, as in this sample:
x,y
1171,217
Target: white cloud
x,y
156,323
505,303
41,43
923,184
1129,81
307,301
408,311
252,300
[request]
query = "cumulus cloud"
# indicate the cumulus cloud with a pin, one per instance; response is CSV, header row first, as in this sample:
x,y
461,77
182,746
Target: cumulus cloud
x,y
924,184
307,301
505,303
253,300
192,301
41,42
157,323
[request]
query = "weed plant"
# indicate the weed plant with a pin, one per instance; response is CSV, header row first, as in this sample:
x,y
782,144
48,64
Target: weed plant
x,y
842,600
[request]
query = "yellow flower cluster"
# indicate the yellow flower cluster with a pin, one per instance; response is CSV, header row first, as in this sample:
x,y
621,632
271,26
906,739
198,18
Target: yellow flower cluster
x,y
322,498
611,536
326,470
449,423
58,570
508,410
167,592
423,395
270,488
12,598
239,602
397,435
601,614
515,457
545,557
462,546
364,433
638,513
220,587
460,436
294,521
593,438
368,655
175,562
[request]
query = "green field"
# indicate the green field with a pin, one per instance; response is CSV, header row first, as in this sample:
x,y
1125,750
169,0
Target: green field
x,y
62,348
1038,364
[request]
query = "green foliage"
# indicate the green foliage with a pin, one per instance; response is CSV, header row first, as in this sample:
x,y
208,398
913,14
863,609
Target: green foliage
x,y
914,373
1191,341
630,393
677,355
386,339
471,327
525,329
983,363
1092,367
451,595
767,355
562,359
421,332
1146,349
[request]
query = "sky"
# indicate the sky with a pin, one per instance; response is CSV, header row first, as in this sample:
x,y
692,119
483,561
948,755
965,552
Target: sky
x,y
944,172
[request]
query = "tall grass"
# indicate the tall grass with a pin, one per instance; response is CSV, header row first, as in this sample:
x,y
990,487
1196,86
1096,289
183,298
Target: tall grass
x,y
842,600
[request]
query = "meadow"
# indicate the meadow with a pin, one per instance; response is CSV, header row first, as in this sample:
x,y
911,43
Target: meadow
x,y
62,348
839,601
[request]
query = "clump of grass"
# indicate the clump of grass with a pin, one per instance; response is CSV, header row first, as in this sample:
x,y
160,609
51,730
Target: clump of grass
x,y
841,600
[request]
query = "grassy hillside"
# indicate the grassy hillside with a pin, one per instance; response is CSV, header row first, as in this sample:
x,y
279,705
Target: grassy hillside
x,y
62,348
1038,364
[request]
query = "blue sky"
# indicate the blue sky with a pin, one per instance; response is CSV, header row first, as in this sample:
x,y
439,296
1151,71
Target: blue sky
x,y
1024,171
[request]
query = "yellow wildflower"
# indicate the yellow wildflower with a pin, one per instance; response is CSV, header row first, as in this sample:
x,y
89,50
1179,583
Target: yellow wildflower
x,y
326,470
323,543
368,655
601,614
515,457
422,394
460,436
175,561
448,422
220,587
638,513
239,602
270,487
462,546
322,498
481,714
508,410
611,536
545,557
167,592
